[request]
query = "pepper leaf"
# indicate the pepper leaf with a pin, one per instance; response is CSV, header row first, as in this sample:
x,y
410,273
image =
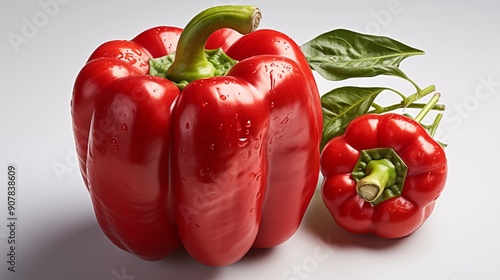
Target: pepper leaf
x,y
341,105
342,54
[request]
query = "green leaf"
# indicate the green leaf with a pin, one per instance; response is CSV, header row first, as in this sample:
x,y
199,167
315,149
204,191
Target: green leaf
x,y
342,105
342,54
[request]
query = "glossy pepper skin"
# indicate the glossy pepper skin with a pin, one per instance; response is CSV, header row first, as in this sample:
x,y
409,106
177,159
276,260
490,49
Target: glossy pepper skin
x,y
399,214
225,164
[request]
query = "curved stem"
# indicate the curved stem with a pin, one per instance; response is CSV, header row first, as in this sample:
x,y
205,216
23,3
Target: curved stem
x,y
400,94
190,62
419,90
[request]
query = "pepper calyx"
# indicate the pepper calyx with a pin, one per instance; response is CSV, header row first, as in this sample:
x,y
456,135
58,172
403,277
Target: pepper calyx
x,y
379,175
221,62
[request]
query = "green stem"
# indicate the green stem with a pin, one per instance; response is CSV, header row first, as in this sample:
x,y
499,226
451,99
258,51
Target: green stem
x,y
419,90
377,109
407,102
380,174
399,93
419,94
433,127
434,100
190,62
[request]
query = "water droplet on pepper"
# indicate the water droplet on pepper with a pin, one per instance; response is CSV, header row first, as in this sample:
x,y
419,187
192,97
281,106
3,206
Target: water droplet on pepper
x,y
242,142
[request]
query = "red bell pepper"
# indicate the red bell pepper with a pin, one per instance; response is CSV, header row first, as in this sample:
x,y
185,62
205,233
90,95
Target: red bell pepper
x,y
383,175
223,164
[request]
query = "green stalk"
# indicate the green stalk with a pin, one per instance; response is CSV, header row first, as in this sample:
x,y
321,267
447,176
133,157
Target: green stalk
x,y
414,97
407,102
190,61
433,127
377,109
434,100
381,173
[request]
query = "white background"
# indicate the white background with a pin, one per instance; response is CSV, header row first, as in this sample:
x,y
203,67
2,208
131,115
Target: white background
x,y
57,236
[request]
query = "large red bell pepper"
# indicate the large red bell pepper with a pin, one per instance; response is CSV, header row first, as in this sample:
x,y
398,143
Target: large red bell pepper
x,y
220,165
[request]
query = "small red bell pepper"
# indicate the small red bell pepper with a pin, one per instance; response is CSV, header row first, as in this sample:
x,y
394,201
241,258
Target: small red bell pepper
x,y
383,175
217,163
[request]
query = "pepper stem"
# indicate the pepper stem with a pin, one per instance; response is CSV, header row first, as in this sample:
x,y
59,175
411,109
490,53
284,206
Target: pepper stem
x,y
380,174
434,100
190,62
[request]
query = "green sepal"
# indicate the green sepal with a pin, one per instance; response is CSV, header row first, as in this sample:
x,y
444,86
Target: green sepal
x,y
217,57
220,60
